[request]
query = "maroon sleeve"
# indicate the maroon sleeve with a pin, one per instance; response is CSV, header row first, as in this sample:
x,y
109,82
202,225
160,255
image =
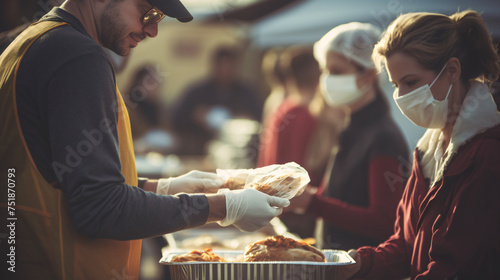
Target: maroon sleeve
x,y
293,138
268,139
391,259
466,244
375,221
286,135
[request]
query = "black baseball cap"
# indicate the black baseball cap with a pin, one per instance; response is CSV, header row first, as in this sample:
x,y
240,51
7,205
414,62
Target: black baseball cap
x,y
173,8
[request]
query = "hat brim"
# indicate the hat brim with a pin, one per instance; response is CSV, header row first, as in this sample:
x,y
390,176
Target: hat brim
x,y
173,8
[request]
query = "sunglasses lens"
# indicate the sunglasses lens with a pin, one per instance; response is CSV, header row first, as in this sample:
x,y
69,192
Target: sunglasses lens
x,y
152,16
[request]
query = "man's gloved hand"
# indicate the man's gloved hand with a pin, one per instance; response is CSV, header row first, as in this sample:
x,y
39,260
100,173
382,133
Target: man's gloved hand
x,y
193,182
250,209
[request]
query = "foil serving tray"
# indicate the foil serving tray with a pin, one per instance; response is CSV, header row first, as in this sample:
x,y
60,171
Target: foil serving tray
x,y
235,268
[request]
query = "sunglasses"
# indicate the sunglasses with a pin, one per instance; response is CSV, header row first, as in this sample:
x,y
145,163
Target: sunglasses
x,y
153,15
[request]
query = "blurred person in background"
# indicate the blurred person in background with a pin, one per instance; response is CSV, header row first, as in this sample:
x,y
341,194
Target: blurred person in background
x,y
149,125
447,224
274,73
363,181
144,102
206,105
286,134
330,122
66,150
148,114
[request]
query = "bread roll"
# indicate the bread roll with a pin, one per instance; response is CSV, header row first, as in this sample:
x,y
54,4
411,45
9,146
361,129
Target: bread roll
x,y
279,248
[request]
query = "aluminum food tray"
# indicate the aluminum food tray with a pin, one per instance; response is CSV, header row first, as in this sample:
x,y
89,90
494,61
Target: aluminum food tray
x,y
236,269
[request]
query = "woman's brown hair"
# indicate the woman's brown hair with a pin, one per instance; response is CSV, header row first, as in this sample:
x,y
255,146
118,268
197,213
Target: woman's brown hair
x,y
432,39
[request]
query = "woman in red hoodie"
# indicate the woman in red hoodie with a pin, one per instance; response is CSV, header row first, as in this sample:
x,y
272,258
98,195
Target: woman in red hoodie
x,y
448,221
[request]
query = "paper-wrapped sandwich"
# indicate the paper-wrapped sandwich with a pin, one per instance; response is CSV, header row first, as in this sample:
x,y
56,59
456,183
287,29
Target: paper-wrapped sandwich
x,y
283,180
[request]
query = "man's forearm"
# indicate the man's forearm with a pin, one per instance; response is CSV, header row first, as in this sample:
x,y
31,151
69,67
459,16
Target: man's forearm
x,y
150,185
216,207
216,202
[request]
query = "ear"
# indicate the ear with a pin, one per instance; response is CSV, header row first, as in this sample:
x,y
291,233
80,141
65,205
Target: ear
x,y
453,69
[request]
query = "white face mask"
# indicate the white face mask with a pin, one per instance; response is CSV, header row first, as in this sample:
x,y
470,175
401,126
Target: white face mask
x,y
421,108
340,89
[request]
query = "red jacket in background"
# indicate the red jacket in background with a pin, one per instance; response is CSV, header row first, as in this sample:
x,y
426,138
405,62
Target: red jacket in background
x,y
451,231
286,136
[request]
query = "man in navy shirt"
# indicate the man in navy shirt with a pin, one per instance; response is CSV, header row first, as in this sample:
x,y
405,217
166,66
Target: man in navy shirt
x,y
66,141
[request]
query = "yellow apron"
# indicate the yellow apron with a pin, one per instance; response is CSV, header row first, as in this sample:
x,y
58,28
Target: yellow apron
x,y
47,245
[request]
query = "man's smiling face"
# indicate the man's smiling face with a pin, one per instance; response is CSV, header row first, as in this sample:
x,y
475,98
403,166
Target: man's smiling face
x,y
121,26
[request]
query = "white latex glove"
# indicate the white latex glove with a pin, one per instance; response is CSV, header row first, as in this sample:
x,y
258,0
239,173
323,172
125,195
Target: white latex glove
x,y
250,209
193,182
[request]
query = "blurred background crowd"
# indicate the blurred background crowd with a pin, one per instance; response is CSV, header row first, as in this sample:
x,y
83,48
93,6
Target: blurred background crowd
x,y
203,90
215,93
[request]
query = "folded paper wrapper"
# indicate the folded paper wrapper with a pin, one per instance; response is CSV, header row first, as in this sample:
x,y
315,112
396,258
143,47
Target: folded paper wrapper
x,y
282,180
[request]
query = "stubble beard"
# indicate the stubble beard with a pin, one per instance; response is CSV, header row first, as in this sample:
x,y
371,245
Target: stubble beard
x,y
111,35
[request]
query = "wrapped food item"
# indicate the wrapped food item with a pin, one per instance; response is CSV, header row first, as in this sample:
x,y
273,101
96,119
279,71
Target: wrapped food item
x,y
282,180
279,248
234,179
198,256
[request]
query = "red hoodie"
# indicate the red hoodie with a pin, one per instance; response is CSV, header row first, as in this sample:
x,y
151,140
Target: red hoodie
x,y
451,231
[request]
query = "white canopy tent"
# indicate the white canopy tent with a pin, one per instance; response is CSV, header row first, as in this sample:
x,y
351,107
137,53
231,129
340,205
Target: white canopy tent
x,y
307,21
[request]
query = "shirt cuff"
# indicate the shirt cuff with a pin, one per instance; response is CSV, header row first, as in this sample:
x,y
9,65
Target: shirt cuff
x,y
366,257
141,182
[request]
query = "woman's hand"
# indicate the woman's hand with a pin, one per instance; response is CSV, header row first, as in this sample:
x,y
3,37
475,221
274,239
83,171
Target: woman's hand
x,y
300,203
348,271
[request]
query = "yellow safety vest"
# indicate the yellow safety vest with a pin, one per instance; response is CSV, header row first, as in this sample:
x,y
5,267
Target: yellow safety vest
x,y
47,245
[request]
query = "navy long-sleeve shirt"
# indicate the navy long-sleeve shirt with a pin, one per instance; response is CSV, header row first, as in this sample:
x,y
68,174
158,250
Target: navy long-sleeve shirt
x,y
67,107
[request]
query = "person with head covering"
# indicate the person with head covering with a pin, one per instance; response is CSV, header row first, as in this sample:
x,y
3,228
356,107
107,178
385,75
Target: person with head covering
x,y
75,205
356,203
447,224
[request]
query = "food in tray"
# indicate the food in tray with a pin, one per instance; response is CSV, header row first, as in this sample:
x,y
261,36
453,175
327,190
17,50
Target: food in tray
x,y
198,256
279,248
272,185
